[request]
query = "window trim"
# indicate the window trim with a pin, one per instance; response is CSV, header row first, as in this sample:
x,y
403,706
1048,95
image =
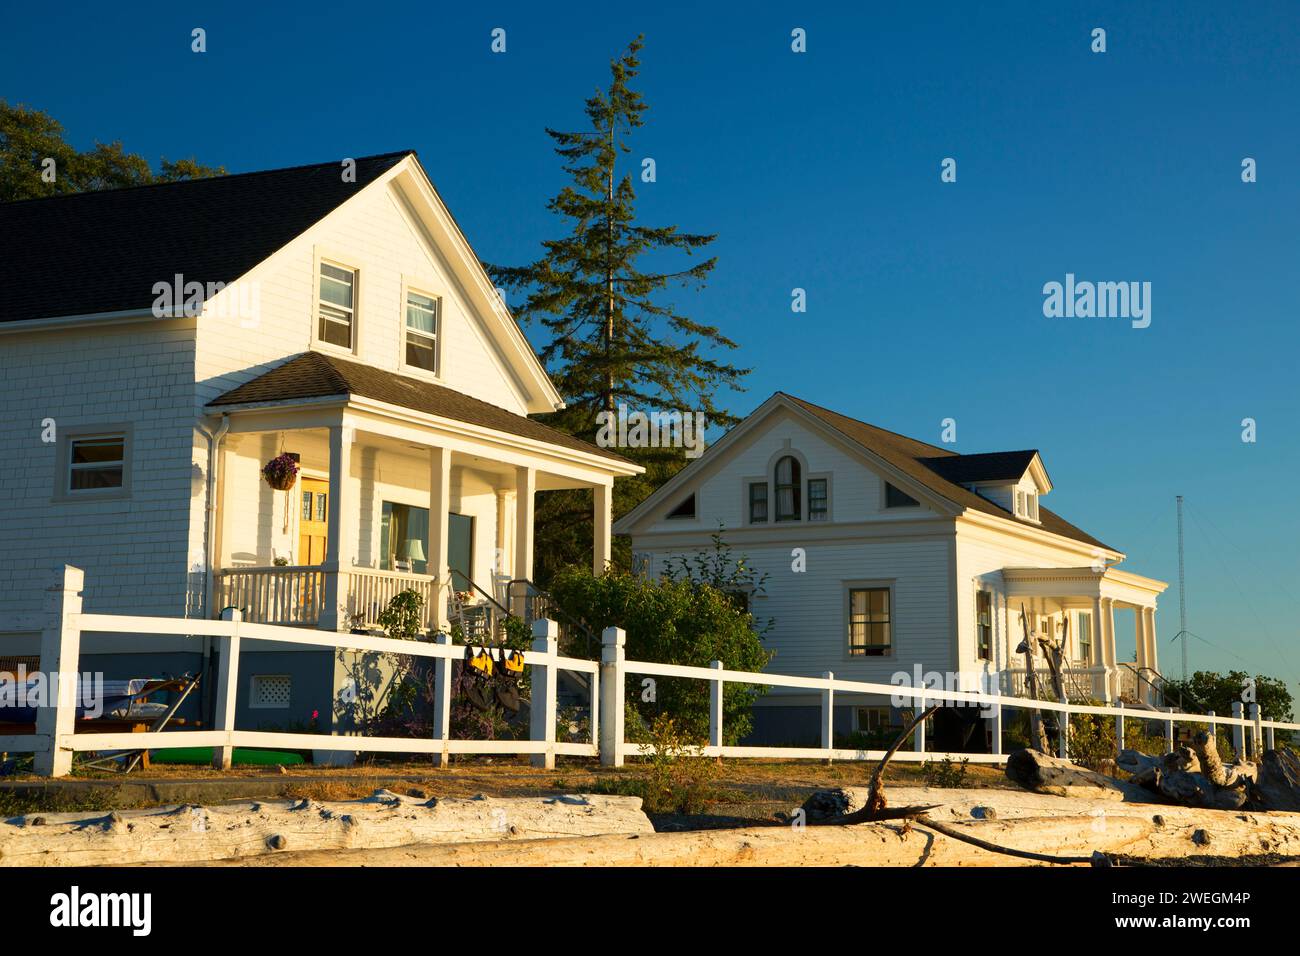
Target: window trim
x,y
848,588
411,285
326,257
63,490
819,476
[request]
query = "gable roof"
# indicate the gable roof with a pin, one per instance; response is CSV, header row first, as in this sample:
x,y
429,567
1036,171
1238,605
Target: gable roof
x,y
940,470
102,252
314,375
928,465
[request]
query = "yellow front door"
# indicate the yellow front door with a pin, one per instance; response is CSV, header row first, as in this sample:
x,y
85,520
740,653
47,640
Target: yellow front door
x,y
314,520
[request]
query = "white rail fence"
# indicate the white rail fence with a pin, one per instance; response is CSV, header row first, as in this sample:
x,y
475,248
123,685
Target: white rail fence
x,y
63,622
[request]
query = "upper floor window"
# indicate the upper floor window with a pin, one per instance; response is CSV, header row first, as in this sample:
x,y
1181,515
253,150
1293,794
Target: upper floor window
x,y
336,305
422,322
1027,504
684,510
96,463
788,481
897,498
758,502
818,503
984,625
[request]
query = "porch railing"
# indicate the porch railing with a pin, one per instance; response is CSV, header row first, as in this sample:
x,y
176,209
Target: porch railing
x,y
1081,683
295,595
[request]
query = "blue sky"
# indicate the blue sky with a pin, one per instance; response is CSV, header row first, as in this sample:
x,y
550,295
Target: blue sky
x,y
821,171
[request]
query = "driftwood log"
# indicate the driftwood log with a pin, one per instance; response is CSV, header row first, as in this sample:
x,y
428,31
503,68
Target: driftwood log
x,y
190,834
1029,822
1042,773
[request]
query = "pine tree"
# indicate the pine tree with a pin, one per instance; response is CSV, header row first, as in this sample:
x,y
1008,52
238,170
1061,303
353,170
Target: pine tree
x,y
611,339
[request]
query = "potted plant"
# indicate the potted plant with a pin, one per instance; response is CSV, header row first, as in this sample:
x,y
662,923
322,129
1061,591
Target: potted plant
x,y
281,472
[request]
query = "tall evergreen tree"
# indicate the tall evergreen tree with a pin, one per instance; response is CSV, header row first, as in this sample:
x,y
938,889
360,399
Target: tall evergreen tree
x,y
611,338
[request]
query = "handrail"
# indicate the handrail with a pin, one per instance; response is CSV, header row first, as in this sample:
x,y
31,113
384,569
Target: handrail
x,y
555,612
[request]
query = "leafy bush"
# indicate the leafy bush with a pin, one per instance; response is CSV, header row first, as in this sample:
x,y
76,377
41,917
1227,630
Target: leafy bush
x,y
403,618
672,622
677,779
944,773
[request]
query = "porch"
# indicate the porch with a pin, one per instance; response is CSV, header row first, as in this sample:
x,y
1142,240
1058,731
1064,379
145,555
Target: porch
x,y
387,498
1081,604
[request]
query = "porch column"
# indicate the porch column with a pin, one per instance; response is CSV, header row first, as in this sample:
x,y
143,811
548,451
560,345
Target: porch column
x,y
1149,614
1106,625
525,486
439,508
341,527
1140,638
602,520
501,560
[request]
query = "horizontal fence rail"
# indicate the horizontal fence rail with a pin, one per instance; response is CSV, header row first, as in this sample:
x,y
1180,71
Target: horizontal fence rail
x,y
63,622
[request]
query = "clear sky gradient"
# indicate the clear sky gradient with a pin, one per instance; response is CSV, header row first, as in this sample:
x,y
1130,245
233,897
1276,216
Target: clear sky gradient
x,y
821,171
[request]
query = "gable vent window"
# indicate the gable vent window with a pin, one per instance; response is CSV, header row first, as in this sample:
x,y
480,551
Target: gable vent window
x,y
422,314
270,691
337,305
788,481
896,498
684,510
96,463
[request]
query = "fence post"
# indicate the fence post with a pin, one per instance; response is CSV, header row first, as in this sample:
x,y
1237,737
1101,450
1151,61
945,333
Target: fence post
x,y
541,726
918,735
442,671
1269,739
60,653
1238,731
612,657
1214,728
715,708
227,687
1119,729
1257,736
828,714
1063,735
997,729
1169,731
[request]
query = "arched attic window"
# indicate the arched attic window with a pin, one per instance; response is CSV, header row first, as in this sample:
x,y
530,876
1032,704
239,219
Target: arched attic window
x,y
787,480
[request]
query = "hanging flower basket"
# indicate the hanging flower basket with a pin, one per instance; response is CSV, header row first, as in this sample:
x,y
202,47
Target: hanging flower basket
x,y
281,472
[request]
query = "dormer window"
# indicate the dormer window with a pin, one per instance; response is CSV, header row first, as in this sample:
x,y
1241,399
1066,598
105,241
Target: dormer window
x,y
1027,504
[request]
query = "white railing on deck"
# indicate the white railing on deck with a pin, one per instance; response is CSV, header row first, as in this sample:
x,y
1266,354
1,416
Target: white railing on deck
x,y
1080,682
295,595
63,623
369,591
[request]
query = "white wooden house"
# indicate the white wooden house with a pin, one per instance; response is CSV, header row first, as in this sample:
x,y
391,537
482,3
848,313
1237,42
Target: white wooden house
x,y
887,556
341,317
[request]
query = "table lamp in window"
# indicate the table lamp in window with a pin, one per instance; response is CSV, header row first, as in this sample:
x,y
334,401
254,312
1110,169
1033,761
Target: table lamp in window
x,y
415,551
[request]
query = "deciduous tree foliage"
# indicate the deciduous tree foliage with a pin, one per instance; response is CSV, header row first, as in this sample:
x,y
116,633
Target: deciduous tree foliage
x,y
611,335
672,622
1208,690
29,137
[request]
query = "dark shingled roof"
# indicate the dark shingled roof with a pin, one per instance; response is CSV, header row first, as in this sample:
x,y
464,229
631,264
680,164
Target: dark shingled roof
x,y
94,252
929,465
987,466
313,375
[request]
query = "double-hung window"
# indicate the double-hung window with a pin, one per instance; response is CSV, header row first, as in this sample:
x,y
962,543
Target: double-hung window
x,y
758,502
869,622
422,322
336,305
788,482
818,501
984,625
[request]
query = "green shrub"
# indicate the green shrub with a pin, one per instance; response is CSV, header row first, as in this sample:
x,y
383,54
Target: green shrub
x,y
672,622
945,773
